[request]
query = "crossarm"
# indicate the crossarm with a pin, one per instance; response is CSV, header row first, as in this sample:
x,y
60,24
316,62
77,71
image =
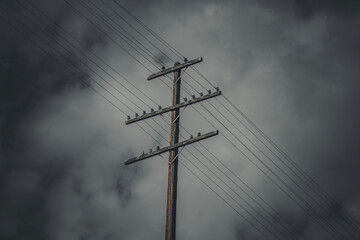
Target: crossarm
x,y
171,108
175,68
169,148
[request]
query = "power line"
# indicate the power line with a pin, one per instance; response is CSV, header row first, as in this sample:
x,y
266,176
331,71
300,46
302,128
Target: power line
x,y
253,192
89,51
57,60
192,172
278,167
246,202
310,214
195,70
121,35
102,70
140,33
69,61
310,182
325,194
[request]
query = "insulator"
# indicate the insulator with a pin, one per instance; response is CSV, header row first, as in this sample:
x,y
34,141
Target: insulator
x,y
193,96
185,59
209,91
199,134
136,115
144,112
163,67
191,136
150,150
185,99
159,107
142,153
217,88
128,117
158,148
201,94
151,110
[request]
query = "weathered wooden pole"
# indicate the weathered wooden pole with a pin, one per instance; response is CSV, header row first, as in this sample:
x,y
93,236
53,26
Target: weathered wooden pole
x,y
170,231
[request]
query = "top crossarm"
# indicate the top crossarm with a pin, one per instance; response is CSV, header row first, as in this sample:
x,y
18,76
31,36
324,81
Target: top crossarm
x,y
176,67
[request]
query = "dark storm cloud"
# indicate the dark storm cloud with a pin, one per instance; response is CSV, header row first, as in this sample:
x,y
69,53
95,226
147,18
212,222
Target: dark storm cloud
x,y
321,76
29,78
25,69
346,8
24,184
308,8
52,184
324,85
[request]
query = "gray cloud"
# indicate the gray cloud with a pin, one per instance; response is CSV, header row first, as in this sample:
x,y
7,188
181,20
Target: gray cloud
x,y
291,65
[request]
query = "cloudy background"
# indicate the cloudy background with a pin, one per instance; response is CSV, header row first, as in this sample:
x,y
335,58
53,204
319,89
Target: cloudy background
x,y
291,66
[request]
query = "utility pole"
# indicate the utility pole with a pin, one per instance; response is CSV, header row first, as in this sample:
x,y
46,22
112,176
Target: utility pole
x,y
173,148
173,160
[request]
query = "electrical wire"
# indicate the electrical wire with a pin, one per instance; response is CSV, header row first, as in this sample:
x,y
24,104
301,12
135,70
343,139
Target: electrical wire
x,y
352,221
278,167
65,58
309,212
212,85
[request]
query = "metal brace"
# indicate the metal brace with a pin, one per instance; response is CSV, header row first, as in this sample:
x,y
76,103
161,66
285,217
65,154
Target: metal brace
x,y
179,115
181,73
176,155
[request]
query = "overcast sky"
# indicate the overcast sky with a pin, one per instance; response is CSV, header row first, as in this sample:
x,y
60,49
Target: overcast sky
x,y
292,66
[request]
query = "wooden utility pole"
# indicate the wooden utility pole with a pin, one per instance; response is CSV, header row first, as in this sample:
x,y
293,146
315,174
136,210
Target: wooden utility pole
x,y
173,148
173,160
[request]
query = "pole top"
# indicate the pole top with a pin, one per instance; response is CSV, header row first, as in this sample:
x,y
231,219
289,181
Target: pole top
x,y
176,67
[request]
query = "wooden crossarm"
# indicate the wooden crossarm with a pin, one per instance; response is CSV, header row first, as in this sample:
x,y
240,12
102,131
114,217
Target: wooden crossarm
x,y
169,148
